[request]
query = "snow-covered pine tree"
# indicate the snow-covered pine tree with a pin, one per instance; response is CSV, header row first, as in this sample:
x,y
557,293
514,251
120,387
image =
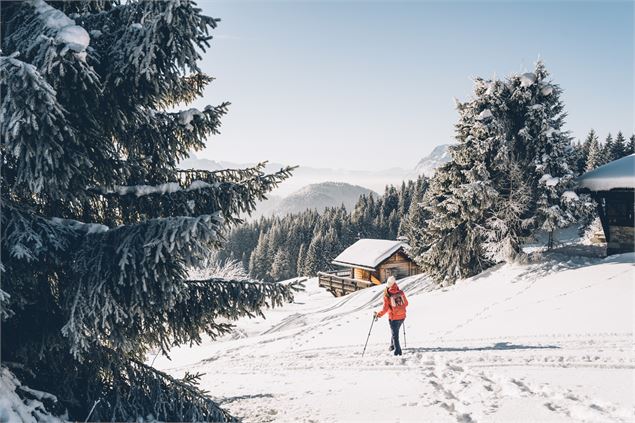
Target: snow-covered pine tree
x,y
544,146
414,220
259,262
301,260
584,154
512,129
281,267
98,224
314,256
594,158
509,218
607,149
630,149
462,193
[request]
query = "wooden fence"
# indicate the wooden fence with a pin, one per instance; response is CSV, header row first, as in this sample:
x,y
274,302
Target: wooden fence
x,y
340,285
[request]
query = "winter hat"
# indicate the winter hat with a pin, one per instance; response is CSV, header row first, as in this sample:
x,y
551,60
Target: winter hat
x,y
391,281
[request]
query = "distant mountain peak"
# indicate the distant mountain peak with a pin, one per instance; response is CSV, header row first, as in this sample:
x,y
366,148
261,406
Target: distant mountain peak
x,y
439,156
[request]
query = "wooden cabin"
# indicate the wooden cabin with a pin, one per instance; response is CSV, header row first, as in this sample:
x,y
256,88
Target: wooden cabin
x,y
366,263
613,188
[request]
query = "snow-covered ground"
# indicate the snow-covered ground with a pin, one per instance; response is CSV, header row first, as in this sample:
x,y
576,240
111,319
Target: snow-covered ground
x,y
551,341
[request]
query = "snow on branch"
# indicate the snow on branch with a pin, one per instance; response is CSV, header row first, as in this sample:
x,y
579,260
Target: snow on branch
x,y
159,140
88,228
74,37
231,192
167,188
154,38
46,33
225,175
129,272
34,128
28,237
19,403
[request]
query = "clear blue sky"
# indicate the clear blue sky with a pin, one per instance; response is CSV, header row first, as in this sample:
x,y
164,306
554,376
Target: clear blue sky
x,y
371,84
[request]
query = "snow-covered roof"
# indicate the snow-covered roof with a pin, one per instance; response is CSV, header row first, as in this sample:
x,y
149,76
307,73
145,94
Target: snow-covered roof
x,y
368,253
616,174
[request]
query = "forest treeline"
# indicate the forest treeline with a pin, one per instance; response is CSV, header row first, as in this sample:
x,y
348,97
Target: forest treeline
x,y
278,248
301,244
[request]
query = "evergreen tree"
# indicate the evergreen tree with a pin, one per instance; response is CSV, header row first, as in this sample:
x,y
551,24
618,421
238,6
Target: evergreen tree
x,y
544,145
462,192
594,158
301,259
509,218
314,256
259,264
413,223
584,156
630,149
619,147
607,149
509,135
281,266
99,226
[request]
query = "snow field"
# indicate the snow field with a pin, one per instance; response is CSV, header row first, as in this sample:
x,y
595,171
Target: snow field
x,y
551,341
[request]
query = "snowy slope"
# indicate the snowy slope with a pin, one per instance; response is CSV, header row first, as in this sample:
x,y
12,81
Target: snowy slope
x,y
551,341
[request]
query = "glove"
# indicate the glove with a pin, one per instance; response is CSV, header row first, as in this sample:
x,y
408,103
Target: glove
x,y
375,316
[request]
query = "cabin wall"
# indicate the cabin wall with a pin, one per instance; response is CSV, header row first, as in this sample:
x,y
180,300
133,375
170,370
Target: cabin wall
x,y
361,274
621,239
617,213
398,265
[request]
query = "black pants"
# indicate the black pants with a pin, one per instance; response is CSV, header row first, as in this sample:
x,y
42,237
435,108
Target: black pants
x,y
395,325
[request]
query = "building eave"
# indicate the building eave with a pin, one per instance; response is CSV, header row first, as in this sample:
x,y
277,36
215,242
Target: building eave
x,y
353,265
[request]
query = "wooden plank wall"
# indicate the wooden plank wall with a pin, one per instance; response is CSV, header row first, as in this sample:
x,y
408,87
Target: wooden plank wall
x,y
398,265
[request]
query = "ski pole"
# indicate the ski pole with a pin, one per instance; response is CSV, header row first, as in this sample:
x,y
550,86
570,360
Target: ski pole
x,y
368,337
404,334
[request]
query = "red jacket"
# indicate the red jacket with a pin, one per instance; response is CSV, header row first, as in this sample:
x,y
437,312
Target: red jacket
x,y
393,314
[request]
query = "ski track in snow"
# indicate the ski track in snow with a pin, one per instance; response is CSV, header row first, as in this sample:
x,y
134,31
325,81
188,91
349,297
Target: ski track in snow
x,y
305,364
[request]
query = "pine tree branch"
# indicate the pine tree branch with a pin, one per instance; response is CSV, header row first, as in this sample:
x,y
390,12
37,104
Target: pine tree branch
x,y
156,145
187,197
31,238
132,389
34,127
158,42
130,272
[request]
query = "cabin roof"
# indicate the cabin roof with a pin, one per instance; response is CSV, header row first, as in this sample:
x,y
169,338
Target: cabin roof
x,y
368,253
617,174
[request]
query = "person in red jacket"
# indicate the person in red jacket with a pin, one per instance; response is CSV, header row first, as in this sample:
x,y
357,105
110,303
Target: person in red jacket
x,y
395,303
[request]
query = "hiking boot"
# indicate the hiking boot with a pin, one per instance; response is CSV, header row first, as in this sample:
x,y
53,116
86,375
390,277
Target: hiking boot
x,y
392,347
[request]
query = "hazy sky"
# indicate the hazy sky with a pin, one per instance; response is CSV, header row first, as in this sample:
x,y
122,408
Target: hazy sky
x,y
363,85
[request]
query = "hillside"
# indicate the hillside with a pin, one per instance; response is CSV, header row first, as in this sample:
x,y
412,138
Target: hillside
x,y
312,197
550,341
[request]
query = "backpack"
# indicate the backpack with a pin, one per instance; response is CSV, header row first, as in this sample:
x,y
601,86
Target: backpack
x,y
397,300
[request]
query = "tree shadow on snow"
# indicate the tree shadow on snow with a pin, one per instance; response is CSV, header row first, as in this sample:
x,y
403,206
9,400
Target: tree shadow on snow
x,y
500,346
